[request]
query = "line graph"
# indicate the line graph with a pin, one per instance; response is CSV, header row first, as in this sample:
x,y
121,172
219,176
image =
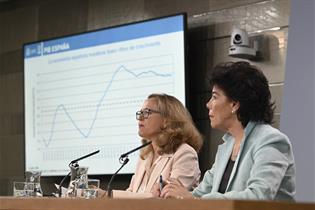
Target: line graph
x,y
82,92
93,106
63,108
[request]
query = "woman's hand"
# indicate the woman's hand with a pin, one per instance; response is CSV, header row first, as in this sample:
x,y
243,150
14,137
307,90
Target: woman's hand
x,y
175,189
101,193
156,190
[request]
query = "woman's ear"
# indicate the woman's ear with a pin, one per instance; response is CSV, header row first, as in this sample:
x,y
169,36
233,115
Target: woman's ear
x,y
235,106
164,124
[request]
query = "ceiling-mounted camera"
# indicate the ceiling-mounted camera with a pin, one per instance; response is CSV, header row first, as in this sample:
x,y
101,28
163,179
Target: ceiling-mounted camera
x,y
240,45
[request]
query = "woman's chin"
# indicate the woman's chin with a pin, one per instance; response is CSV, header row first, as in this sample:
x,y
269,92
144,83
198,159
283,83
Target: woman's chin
x,y
140,134
213,125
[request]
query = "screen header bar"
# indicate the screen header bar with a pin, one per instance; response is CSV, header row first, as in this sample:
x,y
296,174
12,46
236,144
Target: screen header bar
x,y
106,36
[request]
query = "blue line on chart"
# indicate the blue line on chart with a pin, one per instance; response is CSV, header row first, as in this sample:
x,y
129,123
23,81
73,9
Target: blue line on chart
x,y
62,106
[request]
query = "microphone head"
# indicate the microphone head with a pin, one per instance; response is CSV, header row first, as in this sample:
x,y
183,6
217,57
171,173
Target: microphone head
x,y
131,151
124,160
74,165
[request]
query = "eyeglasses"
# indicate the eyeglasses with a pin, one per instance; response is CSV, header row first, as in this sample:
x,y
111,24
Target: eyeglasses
x,y
145,113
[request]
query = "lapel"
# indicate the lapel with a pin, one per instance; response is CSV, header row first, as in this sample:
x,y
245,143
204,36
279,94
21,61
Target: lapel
x,y
157,171
224,152
155,174
139,175
248,129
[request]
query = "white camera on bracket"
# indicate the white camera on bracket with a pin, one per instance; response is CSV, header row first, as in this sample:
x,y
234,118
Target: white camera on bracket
x,y
240,45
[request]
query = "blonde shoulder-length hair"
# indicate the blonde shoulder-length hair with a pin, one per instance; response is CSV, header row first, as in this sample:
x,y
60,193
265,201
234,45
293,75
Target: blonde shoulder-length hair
x,y
178,129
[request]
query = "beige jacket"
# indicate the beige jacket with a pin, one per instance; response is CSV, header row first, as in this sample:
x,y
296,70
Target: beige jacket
x,y
182,165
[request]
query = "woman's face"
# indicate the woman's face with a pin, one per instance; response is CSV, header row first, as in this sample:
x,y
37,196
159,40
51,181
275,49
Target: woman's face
x,y
151,126
220,109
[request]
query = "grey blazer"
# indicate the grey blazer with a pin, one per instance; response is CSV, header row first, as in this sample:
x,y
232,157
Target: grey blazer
x,y
263,170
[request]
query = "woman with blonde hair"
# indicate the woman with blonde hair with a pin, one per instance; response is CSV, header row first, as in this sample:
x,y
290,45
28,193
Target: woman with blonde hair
x,y
165,122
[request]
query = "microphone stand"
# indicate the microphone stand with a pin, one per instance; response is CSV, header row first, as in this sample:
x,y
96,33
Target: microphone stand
x,y
109,190
62,181
123,160
74,164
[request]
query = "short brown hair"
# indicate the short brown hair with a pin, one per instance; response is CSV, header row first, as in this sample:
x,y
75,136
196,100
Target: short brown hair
x,y
246,84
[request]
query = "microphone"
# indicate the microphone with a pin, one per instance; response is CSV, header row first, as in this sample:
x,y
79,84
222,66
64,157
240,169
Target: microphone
x,y
74,163
123,160
131,151
85,156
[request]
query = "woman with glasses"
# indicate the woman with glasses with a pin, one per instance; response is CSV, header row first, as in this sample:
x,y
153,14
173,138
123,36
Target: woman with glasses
x,y
165,122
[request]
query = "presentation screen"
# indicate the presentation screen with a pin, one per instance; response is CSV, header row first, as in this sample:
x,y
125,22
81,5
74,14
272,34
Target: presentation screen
x,y
82,92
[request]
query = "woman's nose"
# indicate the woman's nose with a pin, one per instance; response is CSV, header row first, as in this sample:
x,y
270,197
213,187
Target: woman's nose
x,y
140,118
208,104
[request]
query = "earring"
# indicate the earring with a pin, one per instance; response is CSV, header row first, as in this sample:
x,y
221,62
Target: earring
x,y
233,111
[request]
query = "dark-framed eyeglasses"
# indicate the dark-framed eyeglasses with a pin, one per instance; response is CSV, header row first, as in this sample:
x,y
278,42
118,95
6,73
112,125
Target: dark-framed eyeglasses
x,y
145,113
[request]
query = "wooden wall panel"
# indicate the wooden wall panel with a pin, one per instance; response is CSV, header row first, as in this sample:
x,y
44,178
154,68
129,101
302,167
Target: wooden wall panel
x,y
58,18
17,27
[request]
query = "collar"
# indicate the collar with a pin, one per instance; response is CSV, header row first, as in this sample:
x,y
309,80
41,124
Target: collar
x,y
248,129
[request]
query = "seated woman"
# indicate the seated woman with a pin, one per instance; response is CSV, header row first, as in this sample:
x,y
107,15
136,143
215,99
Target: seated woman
x,y
165,122
256,160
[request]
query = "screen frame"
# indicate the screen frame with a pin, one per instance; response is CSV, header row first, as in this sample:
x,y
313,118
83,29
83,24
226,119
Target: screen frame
x,y
186,80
